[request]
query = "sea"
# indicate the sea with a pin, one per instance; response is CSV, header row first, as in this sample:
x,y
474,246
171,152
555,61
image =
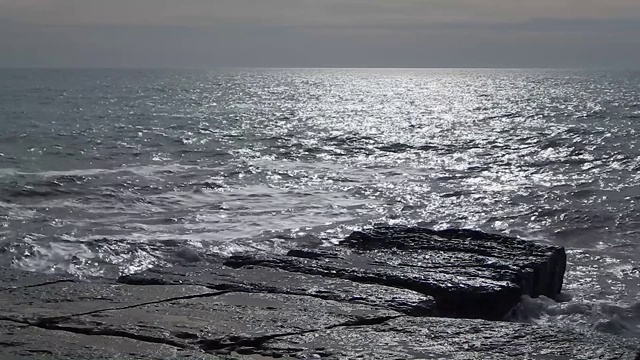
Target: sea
x,y
110,172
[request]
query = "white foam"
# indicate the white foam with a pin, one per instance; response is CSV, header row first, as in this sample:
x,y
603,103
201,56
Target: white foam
x,y
57,258
146,170
615,318
8,172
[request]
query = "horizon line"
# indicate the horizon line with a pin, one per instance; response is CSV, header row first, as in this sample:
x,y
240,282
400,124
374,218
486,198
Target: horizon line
x,y
117,67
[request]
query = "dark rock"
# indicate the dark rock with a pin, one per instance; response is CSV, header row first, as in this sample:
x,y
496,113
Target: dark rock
x,y
188,254
548,263
98,320
469,273
374,296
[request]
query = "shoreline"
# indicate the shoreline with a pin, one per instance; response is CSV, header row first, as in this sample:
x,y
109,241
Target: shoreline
x,y
386,292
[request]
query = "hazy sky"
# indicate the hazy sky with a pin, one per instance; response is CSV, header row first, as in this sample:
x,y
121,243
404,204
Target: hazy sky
x,y
320,33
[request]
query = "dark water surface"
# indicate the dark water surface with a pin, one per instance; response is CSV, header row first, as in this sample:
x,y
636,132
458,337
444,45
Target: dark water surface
x,y
111,172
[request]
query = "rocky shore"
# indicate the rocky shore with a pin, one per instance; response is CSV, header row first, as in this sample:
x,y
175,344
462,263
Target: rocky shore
x,y
384,293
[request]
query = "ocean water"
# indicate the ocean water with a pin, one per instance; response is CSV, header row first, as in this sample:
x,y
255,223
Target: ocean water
x,y
107,172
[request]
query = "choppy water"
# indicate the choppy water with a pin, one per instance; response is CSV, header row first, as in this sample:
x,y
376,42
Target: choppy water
x,y
109,172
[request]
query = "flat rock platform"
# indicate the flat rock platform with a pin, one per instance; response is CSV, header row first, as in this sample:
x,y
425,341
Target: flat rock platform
x,y
387,292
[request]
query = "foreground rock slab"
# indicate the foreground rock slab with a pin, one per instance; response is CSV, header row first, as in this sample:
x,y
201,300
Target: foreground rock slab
x,y
384,293
101,320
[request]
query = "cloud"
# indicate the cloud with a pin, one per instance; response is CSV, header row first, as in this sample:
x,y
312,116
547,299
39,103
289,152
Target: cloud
x,y
307,12
369,33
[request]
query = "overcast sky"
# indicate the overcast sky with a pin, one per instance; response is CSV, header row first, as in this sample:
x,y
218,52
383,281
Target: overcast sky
x,y
320,33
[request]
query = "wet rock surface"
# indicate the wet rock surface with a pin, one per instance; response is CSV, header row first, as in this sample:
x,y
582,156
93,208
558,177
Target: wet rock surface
x,y
468,273
385,293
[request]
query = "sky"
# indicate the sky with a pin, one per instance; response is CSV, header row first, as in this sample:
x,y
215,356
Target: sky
x,y
320,33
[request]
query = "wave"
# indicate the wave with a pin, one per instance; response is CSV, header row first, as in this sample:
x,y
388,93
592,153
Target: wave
x,y
600,315
143,170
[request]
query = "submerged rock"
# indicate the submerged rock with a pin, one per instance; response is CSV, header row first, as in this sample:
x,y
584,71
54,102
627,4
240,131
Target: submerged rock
x,y
188,254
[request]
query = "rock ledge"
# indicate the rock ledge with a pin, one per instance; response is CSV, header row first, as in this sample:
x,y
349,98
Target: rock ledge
x,y
387,292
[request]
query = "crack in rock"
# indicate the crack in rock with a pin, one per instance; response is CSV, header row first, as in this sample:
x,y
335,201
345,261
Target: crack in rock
x,y
365,322
97,332
256,289
260,289
249,345
10,289
42,352
11,343
232,343
111,332
57,319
